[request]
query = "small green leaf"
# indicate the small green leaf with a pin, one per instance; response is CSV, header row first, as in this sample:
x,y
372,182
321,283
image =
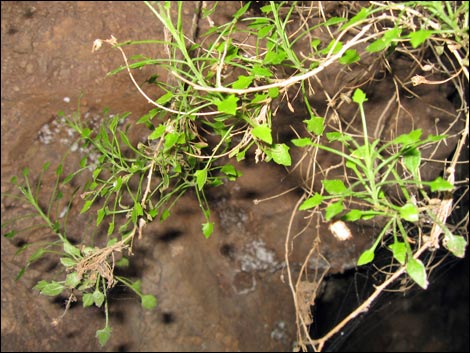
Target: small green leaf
x,y
230,171
392,34
207,229
333,209
311,202
334,187
98,298
158,132
71,250
241,155
349,57
101,213
242,82
261,71
417,38
46,166
162,101
334,46
10,234
334,21
280,154
69,177
148,301
52,289
59,170
40,285
207,11
412,160
409,212
360,152
117,184
359,96
264,31
455,244
145,119
20,273
201,178
315,43
275,57
315,125
440,184
435,138
273,92
96,173
361,15
87,300
241,11
377,45
417,272
170,140
366,257
399,251
259,98
110,228
83,162
384,42
137,286
136,212
86,206
266,9
228,105
25,172
338,136
86,132
59,195
125,138
67,261
103,335
302,142
123,262
165,214
352,216
263,132
36,255
410,138
138,208
152,213
72,280
111,242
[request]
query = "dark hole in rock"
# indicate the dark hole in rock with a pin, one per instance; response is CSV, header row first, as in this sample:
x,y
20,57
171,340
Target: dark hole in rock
x,y
12,30
170,235
250,194
228,250
20,242
431,320
168,318
122,348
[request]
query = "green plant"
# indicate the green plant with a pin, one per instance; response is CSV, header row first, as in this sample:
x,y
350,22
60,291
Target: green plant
x,y
219,102
89,270
373,171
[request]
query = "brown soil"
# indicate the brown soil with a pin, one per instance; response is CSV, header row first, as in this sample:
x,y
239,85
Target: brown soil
x,y
227,293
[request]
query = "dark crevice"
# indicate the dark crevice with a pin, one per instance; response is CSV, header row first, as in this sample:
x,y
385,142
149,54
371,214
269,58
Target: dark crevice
x,y
170,235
